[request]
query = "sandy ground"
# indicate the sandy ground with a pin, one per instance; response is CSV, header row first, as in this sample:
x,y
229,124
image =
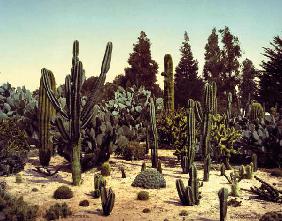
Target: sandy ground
x,y
163,203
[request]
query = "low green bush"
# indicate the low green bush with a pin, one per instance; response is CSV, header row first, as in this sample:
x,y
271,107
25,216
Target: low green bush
x,y
58,211
63,192
143,195
16,209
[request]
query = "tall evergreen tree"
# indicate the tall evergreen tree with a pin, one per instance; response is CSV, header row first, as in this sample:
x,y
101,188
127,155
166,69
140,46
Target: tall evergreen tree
x,y
187,83
248,86
230,54
213,66
271,78
143,69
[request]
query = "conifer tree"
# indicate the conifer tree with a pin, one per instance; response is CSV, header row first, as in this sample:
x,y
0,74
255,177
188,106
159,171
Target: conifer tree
x,y
143,69
213,65
187,83
271,77
248,86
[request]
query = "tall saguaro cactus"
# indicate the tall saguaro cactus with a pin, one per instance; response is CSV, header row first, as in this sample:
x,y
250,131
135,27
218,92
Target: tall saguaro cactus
x,y
76,117
154,134
168,83
46,113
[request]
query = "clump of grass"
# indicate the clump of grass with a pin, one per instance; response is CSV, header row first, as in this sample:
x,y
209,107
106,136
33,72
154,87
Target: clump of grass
x,y
183,213
58,210
19,178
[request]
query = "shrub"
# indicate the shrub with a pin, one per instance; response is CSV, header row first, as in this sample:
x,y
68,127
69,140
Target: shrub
x,y
34,189
3,185
58,210
16,208
63,192
13,146
183,213
132,151
143,195
271,216
146,210
19,178
106,169
84,203
149,179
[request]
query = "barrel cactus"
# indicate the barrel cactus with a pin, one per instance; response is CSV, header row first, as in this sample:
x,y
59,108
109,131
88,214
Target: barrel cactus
x,y
149,179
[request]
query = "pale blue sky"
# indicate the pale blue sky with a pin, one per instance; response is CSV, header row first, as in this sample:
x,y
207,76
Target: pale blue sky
x,y
39,33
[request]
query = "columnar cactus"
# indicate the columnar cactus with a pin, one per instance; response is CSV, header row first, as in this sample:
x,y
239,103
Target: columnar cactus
x,y
255,162
108,200
256,112
210,108
77,118
229,106
188,154
222,169
99,182
189,195
168,83
223,195
45,115
154,134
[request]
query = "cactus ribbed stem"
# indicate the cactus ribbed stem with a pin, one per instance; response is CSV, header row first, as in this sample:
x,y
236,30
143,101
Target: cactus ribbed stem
x,y
210,108
229,106
154,133
76,117
223,195
168,83
46,113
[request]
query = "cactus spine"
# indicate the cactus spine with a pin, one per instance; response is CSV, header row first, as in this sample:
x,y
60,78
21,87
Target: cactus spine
x,y
168,83
154,133
46,113
223,195
108,200
76,117
210,108
229,106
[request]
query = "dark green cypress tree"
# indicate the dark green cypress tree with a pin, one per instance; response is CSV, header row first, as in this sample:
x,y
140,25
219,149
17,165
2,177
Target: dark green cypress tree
x,y
271,78
143,69
187,83
213,65
248,86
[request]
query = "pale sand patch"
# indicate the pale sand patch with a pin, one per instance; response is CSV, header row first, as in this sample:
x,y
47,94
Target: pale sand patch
x,y
163,203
